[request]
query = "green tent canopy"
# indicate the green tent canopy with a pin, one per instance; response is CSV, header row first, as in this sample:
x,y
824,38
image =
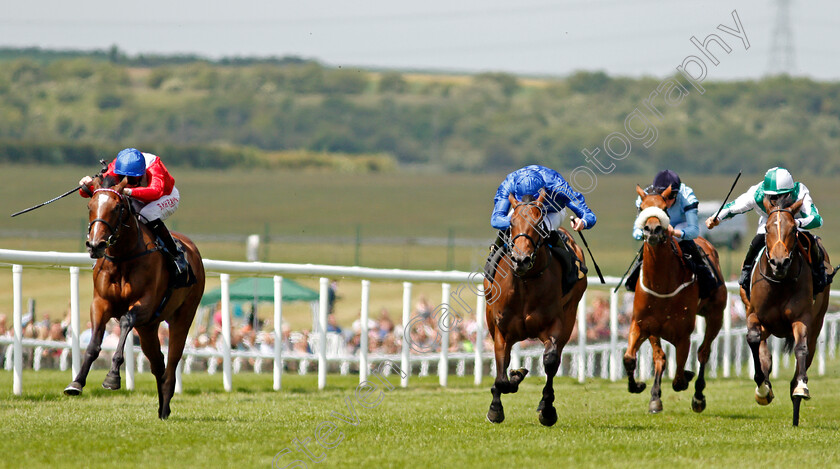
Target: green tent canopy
x,y
243,290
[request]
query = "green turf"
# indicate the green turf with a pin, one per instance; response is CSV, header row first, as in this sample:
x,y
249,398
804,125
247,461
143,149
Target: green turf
x,y
600,425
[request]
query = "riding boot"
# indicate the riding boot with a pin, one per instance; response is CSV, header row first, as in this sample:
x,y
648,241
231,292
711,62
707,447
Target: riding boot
x,y
755,246
818,269
175,253
495,253
630,284
706,279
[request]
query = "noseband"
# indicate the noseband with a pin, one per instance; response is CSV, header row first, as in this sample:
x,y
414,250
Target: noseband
x,y
115,232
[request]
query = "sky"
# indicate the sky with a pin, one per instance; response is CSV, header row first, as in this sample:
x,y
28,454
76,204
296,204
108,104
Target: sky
x,y
526,37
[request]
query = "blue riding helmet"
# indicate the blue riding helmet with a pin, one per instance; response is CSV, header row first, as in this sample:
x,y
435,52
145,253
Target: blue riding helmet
x,y
130,162
666,178
528,183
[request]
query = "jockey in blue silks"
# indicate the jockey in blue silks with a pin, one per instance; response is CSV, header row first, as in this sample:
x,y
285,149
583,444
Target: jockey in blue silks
x,y
559,195
681,207
527,182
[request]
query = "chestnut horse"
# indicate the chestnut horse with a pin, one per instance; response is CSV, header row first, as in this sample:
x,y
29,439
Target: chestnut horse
x,y
525,301
782,302
666,304
131,282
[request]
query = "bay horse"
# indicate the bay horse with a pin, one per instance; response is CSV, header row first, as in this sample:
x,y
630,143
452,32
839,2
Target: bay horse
x,y
782,302
526,302
666,304
131,282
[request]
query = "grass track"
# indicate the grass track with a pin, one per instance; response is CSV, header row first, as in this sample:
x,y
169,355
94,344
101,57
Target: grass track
x,y
600,425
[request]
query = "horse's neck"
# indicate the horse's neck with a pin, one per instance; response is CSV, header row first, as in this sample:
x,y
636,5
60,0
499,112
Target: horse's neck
x,y
662,258
128,241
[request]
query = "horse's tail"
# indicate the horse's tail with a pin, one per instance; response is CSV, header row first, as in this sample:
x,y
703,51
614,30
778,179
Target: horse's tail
x,y
789,342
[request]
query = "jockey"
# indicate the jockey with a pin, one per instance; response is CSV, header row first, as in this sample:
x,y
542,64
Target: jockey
x,y
778,182
153,189
528,181
681,207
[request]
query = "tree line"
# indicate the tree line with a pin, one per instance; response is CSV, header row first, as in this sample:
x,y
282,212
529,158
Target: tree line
x,y
63,106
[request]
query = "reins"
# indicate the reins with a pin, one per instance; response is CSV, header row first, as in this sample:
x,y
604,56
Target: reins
x,y
115,232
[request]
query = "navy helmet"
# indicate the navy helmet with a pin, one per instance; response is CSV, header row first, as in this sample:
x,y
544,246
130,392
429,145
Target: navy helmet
x,y
528,182
666,178
130,162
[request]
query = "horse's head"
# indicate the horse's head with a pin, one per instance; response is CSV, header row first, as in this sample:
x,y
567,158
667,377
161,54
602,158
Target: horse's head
x,y
107,210
526,231
780,236
653,219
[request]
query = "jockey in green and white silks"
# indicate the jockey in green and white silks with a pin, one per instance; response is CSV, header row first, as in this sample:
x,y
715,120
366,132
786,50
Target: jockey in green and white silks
x,y
681,208
778,182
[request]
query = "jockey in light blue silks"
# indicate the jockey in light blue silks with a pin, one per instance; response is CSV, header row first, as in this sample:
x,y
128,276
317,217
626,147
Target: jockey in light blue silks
x,y
527,182
682,211
777,183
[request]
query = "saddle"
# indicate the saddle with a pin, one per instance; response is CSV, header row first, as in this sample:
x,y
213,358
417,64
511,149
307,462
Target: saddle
x,y
176,281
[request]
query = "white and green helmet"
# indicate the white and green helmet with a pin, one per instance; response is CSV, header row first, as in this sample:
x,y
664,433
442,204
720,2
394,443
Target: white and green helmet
x,y
778,181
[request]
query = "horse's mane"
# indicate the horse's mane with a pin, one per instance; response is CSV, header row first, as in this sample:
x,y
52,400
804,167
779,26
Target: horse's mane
x,y
108,181
782,202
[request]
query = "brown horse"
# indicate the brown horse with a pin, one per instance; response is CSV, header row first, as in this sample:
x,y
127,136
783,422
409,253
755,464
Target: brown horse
x,y
527,302
782,302
131,282
666,304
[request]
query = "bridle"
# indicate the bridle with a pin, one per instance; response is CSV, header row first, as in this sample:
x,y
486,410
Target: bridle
x,y
537,243
767,249
115,231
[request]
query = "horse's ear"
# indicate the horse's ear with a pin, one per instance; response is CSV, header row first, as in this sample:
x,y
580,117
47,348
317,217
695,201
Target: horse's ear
x,y
767,205
666,192
640,191
796,206
541,198
512,200
119,187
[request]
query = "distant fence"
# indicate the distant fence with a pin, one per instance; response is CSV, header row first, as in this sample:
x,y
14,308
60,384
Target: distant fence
x,y
729,351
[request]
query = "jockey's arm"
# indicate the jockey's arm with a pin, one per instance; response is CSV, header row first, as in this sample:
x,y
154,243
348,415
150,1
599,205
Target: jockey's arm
x,y
744,203
571,199
499,219
810,215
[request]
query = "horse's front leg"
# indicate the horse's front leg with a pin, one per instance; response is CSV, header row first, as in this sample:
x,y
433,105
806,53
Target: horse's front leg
x,y
659,362
99,316
551,362
634,341
762,361
799,383
112,380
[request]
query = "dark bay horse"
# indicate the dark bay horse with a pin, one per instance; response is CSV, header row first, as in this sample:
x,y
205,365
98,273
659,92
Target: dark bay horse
x,y
666,304
527,302
131,282
782,302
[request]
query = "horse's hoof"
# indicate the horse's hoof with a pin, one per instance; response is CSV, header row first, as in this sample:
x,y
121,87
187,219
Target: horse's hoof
x,y
73,389
698,405
516,376
496,416
636,388
655,406
548,416
679,385
764,400
801,391
689,375
112,382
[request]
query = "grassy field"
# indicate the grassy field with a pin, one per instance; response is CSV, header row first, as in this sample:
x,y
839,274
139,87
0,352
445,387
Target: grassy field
x,y
285,203
600,425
